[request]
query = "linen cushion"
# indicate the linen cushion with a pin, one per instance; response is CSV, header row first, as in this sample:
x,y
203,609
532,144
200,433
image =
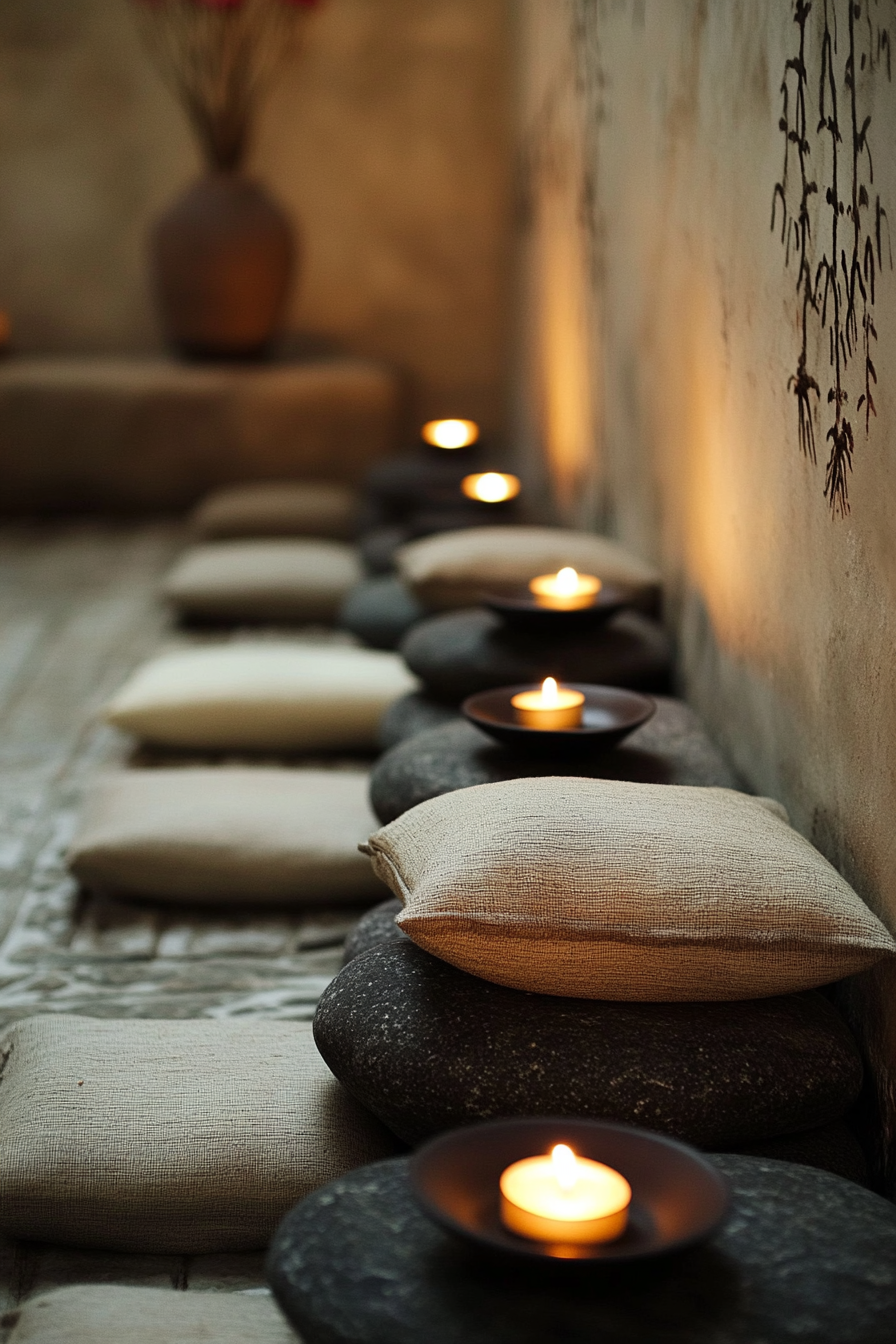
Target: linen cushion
x,y
283,836
261,696
609,890
459,653
455,569
427,1047
263,580
671,748
168,1137
103,1314
278,509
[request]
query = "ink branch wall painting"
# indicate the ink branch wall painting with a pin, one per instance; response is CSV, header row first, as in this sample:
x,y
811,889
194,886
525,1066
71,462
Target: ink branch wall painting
x,y
828,177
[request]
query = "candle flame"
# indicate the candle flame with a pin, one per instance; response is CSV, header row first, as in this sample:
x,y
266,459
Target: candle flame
x,y
567,581
450,433
550,697
492,487
564,1165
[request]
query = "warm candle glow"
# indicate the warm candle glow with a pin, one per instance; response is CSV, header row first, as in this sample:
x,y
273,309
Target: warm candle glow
x,y
450,433
551,707
564,1198
566,590
492,487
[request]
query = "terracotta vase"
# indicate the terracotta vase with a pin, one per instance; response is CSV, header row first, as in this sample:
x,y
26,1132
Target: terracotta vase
x,y
222,260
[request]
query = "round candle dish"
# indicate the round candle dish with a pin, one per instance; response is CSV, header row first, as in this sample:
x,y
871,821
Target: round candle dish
x,y
523,609
608,715
678,1198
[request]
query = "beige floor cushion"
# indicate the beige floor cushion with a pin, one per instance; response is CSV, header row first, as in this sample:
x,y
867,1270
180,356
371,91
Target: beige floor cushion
x,y
106,1314
168,1137
283,836
607,890
455,569
259,695
275,580
278,509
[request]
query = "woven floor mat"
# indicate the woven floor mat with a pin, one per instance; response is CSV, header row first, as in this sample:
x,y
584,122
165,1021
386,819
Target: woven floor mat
x,y
78,611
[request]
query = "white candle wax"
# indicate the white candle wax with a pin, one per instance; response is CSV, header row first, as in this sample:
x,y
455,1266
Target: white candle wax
x,y
563,1198
567,590
551,707
491,487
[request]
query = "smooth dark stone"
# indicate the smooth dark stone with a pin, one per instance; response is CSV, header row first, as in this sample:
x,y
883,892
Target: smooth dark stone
x,y
412,714
377,548
804,1258
427,1047
380,612
375,927
471,513
832,1147
461,652
427,479
671,748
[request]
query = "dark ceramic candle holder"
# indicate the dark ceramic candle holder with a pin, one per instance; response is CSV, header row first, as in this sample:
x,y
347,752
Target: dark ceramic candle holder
x,y
524,610
678,1197
608,715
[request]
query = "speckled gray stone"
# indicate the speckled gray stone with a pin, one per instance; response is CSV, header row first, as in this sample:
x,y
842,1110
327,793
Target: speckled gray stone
x,y
805,1258
412,714
375,927
380,612
427,1047
833,1147
461,652
671,748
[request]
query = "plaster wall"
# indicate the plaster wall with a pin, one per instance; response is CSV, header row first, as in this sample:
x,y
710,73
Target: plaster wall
x,y
784,600
388,139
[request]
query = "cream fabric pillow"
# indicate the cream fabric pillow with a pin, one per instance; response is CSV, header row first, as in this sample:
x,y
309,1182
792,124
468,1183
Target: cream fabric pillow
x,y
599,889
278,509
279,836
263,580
455,569
169,1137
103,1314
259,695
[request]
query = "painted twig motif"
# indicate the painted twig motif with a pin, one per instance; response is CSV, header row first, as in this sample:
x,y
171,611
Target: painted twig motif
x,y
839,290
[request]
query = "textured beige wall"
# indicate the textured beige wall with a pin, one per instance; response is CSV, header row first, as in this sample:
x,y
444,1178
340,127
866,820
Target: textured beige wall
x,y
786,612
389,139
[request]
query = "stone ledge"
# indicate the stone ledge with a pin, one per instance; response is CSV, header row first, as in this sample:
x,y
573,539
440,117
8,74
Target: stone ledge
x,y
141,435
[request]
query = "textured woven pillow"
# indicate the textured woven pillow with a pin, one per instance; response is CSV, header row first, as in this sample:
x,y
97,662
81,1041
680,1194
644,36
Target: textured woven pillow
x,y
168,1137
263,580
278,509
454,569
608,890
284,836
92,1314
262,696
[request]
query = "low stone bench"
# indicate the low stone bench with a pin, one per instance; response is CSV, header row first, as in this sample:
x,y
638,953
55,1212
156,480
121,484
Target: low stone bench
x,y
143,435
804,1255
671,748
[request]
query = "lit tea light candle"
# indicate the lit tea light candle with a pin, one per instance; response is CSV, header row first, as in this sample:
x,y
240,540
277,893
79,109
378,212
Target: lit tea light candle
x,y
551,707
491,487
563,1198
450,433
566,590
